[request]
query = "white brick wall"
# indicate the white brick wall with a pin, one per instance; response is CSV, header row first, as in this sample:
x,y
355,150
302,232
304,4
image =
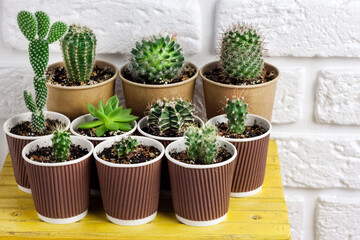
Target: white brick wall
x,y
317,106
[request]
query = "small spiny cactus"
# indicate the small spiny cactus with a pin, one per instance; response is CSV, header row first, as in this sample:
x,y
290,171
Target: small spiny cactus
x,y
125,146
32,25
61,145
202,144
78,47
174,115
242,52
236,114
157,60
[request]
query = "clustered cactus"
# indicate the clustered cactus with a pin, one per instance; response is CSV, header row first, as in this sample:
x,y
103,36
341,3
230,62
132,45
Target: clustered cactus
x,y
242,52
61,145
236,114
171,115
125,146
157,60
202,144
78,47
35,28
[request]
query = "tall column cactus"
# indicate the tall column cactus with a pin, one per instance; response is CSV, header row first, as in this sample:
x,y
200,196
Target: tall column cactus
x,y
61,145
78,47
36,28
242,52
236,113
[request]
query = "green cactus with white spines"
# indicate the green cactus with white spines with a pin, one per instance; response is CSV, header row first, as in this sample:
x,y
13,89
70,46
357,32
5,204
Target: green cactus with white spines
x,y
236,113
78,47
125,146
174,115
35,28
61,145
202,144
242,52
157,60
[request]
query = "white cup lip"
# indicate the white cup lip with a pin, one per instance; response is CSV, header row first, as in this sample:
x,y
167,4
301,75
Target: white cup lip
x,y
234,140
77,121
111,141
198,166
27,148
142,132
27,116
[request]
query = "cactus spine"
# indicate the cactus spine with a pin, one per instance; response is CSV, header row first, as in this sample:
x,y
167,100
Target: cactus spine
x,y
156,61
236,114
61,145
78,47
202,144
32,25
242,52
174,115
125,146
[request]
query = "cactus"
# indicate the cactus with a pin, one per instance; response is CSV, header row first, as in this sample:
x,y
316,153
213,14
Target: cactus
x,y
174,115
242,53
61,145
202,144
236,114
125,146
156,61
78,48
32,25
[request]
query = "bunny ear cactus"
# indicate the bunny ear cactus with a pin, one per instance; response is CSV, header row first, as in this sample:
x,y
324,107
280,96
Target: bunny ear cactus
x,y
175,115
157,61
242,52
110,117
236,114
202,144
61,145
125,146
78,47
35,28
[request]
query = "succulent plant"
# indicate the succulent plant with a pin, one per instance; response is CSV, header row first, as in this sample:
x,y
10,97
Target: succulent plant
x,y
236,114
171,115
125,146
110,117
78,47
157,60
61,145
202,144
242,52
35,28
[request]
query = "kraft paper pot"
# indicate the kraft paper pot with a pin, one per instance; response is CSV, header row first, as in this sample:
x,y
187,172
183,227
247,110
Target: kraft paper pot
x,y
60,190
165,141
139,96
260,97
16,144
94,180
251,158
130,192
71,101
200,193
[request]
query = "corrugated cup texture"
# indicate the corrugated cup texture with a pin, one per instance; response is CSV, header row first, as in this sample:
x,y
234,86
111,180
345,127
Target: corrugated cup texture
x,y
130,193
250,164
60,191
15,147
201,194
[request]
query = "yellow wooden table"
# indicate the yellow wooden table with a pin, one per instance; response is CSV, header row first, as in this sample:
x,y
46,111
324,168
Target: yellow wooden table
x,y
262,216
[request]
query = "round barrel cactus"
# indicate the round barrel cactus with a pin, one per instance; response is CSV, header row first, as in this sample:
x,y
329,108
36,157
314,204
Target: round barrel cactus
x,y
242,52
157,60
236,113
78,48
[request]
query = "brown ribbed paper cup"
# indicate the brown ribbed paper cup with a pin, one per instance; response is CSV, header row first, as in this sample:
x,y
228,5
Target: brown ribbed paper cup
x,y
200,193
250,166
94,179
16,144
165,141
60,190
130,192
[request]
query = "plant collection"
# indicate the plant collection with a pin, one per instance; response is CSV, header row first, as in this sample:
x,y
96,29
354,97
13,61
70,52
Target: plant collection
x,y
176,151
